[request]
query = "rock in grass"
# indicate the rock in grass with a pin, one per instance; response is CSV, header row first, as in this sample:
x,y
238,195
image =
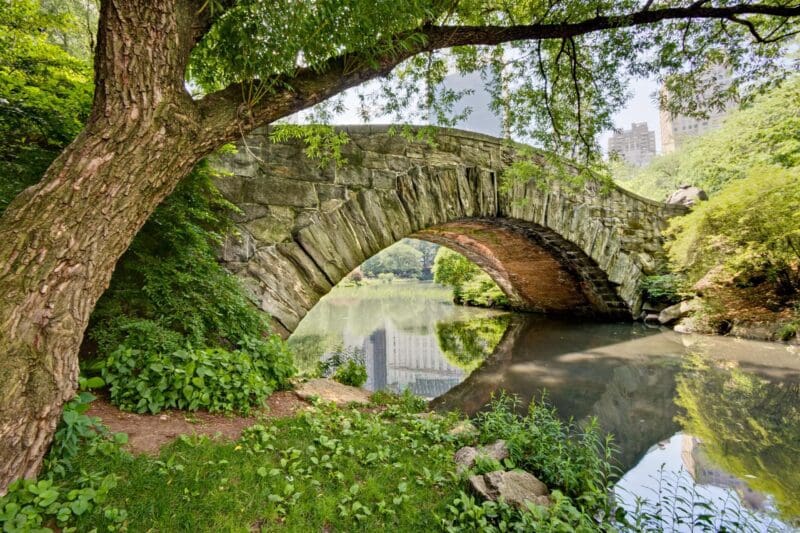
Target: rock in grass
x,y
465,457
332,391
516,488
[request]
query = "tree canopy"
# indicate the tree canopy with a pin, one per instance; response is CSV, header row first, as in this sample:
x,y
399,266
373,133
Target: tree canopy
x,y
557,69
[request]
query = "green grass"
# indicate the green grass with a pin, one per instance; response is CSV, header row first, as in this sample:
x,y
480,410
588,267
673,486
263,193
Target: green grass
x,y
330,469
334,468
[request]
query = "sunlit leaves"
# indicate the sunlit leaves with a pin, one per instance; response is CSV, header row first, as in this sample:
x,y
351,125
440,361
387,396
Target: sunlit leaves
x,y
262,40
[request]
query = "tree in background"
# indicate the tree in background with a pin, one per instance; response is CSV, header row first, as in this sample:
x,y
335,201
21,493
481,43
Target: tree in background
x,y
256,62
470,284
764,132
45,94
428,251
400,259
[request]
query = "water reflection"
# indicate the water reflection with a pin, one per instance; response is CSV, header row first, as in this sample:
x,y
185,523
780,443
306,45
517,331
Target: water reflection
x,y
725,413
411,334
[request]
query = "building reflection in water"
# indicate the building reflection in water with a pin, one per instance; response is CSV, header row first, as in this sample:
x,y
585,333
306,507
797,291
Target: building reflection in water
x,y
398,360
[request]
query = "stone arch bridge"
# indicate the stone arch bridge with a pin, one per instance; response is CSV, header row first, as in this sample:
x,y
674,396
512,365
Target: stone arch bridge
x,y
553,250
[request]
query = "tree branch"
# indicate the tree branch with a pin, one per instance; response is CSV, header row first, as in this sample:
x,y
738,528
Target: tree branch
x,y
225,113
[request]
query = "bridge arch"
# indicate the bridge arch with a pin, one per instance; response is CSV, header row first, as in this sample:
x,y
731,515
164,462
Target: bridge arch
x,y
303,228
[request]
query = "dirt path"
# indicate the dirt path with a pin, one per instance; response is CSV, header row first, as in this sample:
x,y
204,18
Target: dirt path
x,y
148,433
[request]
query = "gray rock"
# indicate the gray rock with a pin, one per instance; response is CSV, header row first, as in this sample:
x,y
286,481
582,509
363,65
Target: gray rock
x,y
651,318
677,311
466,457
515,488
687,195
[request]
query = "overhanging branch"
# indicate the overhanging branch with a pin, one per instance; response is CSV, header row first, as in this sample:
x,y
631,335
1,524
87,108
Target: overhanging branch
x,y
226,112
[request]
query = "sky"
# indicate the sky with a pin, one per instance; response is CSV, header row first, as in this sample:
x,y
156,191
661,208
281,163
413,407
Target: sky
x,y
642,107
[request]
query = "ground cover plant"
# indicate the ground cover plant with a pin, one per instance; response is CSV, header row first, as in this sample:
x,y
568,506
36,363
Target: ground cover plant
x,y
389,466
214,379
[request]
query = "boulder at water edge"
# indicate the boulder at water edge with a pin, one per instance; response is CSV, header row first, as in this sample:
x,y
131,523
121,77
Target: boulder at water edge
x,y
516,488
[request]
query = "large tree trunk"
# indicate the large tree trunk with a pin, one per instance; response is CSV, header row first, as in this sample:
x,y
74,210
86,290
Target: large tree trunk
x,y
60,240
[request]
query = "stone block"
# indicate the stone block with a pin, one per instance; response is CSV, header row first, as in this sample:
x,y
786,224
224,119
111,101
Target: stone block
x,y
274,227
353,176
268,190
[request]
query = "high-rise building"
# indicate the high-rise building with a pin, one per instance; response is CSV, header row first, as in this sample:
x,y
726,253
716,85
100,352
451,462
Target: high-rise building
x,y
675,129
637,145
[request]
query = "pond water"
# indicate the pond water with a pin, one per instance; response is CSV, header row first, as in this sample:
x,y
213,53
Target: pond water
x,y
721,415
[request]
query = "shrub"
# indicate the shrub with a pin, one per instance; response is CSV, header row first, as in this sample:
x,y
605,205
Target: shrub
x,y
169,290
471,285
351,373
664,288
751,226
345,366
575,460
208,378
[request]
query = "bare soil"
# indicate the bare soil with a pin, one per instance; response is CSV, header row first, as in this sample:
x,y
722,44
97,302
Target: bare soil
x,y
148,433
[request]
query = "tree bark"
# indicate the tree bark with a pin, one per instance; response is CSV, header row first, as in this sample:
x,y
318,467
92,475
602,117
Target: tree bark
x,y
60,239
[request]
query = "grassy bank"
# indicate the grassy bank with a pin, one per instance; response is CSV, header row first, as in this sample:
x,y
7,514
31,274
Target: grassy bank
x,y
326,469
383,467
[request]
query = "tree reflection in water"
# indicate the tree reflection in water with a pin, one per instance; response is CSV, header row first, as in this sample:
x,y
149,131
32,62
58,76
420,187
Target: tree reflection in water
x,y
748,426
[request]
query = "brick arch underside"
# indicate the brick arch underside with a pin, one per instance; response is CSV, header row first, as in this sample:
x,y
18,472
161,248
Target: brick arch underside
x,y
536,268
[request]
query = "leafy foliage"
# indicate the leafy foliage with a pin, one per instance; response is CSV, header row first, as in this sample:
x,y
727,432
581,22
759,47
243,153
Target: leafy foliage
x,y
202,378
32,505
322,142
471,285
573,459
78,431
45,94
64,491
664,288
753,225
168,290
346,366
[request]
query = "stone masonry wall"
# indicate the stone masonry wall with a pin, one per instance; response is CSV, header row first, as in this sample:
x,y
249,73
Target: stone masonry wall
x,y
303,228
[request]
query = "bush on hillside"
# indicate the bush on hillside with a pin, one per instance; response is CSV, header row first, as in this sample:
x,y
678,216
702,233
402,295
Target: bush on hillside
x,y
751,229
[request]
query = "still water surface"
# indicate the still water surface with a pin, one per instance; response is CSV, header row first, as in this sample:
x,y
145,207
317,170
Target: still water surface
x,y
722,414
